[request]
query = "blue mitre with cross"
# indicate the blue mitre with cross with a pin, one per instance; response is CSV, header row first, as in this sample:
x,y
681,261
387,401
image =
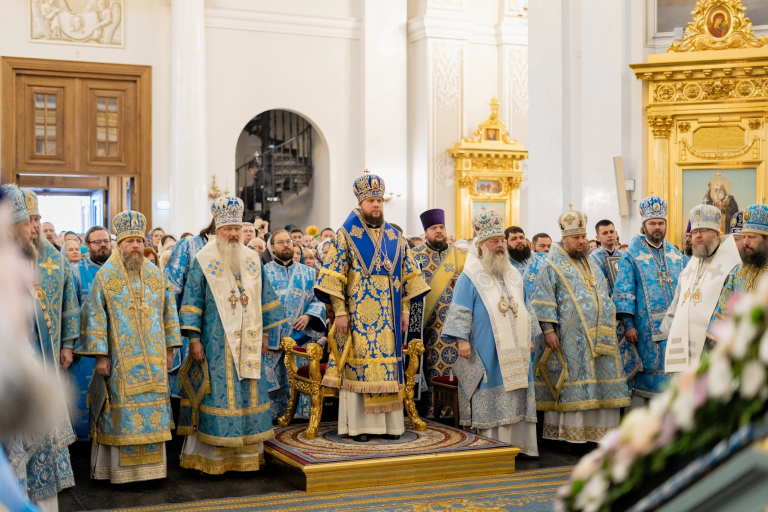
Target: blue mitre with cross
x,y
756,219
227,211
653,207
737,222
16,196
368,185
129,223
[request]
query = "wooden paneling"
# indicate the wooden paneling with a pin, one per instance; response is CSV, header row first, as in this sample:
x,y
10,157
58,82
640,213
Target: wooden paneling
x,y
78,87
63,182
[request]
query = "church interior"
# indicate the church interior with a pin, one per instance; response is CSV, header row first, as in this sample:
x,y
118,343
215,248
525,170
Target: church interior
x,y
461,123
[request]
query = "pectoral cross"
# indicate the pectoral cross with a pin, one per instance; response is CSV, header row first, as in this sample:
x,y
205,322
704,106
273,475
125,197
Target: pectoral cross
x,y
233,300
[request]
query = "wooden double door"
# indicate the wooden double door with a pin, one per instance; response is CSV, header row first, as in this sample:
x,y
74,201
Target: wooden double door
x,y
80,127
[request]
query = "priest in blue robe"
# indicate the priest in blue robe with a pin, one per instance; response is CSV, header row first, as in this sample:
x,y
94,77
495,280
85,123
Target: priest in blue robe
x,y
227,312
176,271
294,285
370,277
99,245
525,262
607,256
645,287
54,325
131,327
579,376
492,330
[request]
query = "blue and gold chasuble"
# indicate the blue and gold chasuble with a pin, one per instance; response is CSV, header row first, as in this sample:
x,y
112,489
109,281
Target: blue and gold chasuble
x,y
645,288
370,274
58,298
741,279
429,312
586,372
82,367
49,469
294,286
225,410
132,320
528,270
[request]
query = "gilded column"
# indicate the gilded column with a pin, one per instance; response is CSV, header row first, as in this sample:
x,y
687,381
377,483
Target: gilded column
x,y
514,183
661,126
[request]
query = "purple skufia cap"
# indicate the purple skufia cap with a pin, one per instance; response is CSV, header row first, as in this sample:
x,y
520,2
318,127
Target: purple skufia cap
x,y
688,229
432,217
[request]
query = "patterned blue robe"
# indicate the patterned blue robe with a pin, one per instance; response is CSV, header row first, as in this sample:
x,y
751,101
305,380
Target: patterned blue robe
x,y
587,372
600,258
528,269
236,412
82,367
490,404
642,303
742,279
130,409
294,287
176,270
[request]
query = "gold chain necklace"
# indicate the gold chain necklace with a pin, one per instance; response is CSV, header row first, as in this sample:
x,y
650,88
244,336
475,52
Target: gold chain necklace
x,y
696,297
234,299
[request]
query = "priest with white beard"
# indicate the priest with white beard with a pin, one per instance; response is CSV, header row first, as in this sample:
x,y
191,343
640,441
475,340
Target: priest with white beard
x,y
489,321
227,312
689,318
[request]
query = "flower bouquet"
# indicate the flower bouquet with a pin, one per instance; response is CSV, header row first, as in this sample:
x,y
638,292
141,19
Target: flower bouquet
x,y
704,406
313,231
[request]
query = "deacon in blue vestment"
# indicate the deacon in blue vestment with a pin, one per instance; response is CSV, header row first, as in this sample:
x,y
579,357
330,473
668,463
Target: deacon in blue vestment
x,y
130,325
176,270
525,262
645,288
54,325
370,277
607,256
99,245
294,284
227,312
579,376
491,329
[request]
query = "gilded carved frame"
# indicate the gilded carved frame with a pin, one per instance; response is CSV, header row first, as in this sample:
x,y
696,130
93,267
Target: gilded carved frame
x,y
487,171
705,83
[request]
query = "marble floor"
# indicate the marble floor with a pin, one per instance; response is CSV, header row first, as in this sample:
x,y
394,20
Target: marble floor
x,y
183,485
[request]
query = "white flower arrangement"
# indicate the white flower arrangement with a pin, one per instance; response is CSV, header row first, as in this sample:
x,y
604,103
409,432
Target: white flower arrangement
x,y
701,407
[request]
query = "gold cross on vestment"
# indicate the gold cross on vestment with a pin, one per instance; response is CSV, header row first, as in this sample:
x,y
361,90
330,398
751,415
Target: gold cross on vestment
x,y
49,266
233,300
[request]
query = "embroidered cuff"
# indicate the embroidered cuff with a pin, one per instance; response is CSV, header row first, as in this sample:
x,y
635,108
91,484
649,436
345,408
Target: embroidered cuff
x,y
338,306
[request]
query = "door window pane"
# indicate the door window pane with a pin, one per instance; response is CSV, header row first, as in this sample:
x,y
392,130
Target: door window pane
x,y
45,124
106,126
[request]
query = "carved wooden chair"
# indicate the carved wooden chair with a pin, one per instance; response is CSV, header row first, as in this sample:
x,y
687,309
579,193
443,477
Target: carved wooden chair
x,y
306,380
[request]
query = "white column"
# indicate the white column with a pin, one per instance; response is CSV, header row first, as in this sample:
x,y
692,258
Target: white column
x,y
385,101
190,206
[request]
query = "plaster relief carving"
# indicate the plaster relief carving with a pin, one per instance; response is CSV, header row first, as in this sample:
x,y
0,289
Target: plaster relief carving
x,y
84,22
518,79
444,170
447,74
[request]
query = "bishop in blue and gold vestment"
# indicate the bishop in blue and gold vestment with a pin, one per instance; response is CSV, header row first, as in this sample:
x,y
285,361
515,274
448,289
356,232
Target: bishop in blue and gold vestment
x,y
129,323
645,287
579,375
294,284
370,277
227,311
52,325
441,263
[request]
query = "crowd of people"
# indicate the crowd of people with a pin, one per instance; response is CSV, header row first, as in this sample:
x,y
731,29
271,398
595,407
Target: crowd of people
x,y
566,332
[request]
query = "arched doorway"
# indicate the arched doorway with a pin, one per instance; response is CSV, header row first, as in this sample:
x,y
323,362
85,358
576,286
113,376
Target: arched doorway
x,y
279,157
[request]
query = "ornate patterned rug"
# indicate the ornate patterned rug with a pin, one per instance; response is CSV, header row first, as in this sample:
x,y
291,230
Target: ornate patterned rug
x,y
330,447
530,491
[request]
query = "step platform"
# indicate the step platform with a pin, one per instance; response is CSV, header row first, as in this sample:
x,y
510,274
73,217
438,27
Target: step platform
x,y
333,462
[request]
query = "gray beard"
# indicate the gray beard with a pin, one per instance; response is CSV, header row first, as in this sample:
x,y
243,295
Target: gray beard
x,y
230,255
26,248
707,250
132,262
39,243
495,264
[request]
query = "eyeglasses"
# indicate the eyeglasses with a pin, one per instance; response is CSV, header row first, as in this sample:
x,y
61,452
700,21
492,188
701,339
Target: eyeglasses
x,y
283,242
99,242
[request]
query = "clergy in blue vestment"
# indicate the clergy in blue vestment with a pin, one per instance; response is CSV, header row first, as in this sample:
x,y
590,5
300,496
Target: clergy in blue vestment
x,y
645,287
294,285
693,312
492,330
227,312
607,256
526,262
176,271
579,375
737,223
99,245
130,325
370,277
54,324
